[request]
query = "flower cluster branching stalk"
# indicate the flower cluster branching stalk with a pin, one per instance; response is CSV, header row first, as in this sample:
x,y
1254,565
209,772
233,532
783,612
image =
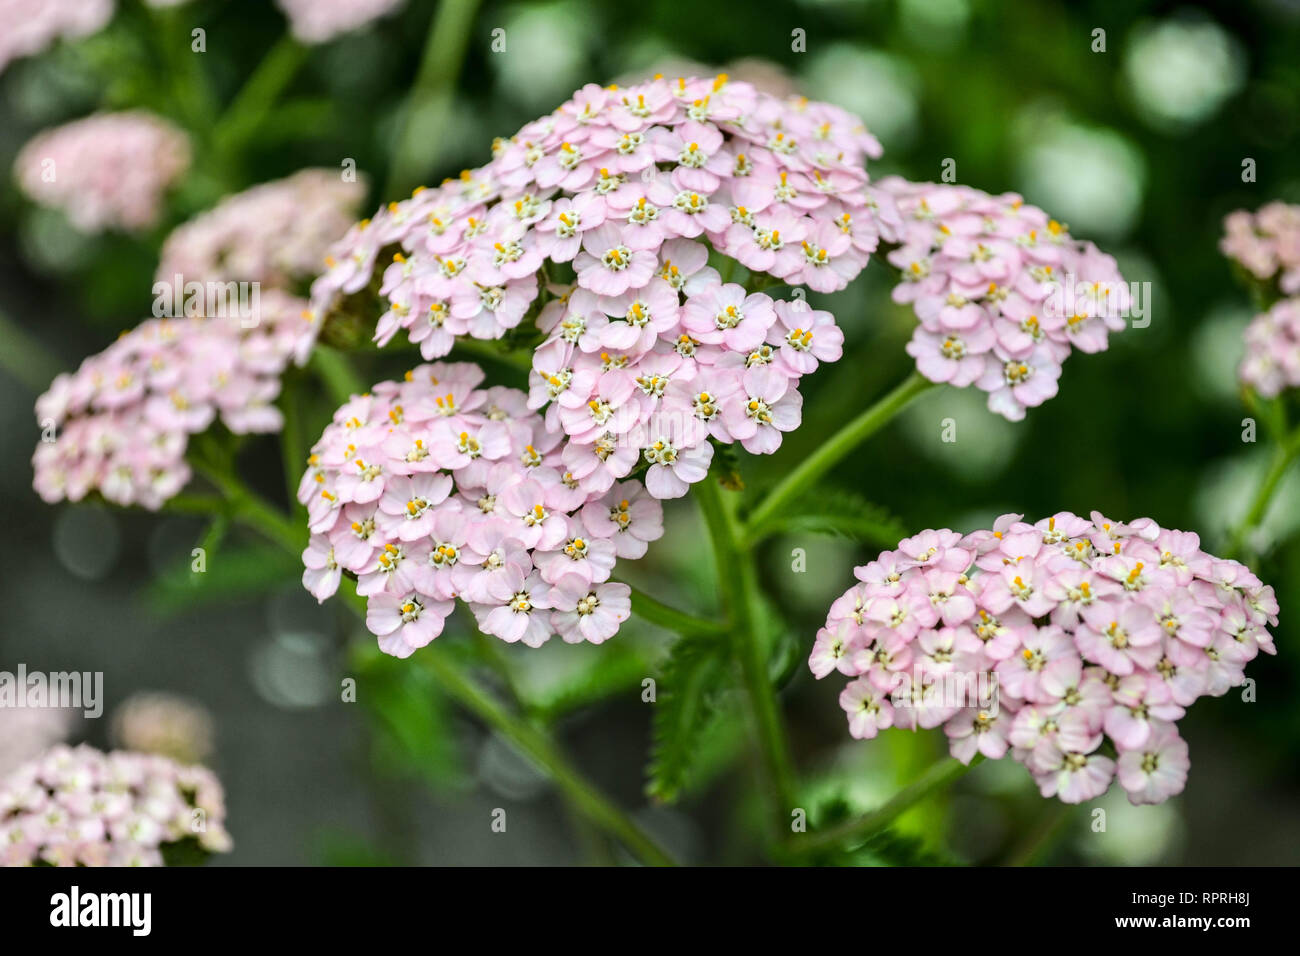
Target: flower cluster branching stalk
x,y
1283,455
666,616
831,452
733,541
737,582
1287,447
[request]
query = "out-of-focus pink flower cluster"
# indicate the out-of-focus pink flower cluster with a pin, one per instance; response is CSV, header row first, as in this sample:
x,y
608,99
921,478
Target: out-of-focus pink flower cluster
x,y
319,21
1002,292
28,27
1072,644
105,171
433,489
649,351
275,233
1266,243
1272,360
78,806
120,424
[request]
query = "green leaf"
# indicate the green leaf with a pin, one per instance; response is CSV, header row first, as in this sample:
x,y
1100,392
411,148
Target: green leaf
x,y
831,511
690,688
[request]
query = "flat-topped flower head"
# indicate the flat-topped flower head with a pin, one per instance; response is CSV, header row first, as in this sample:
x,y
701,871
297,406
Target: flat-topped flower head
x,y
1002,292
1266,243
1073,644
105,171
275,234
493,515
622,194
1272,360
120,424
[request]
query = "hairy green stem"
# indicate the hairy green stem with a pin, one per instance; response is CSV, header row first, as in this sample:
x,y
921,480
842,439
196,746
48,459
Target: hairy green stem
x,y
429,103
738,583
801,478
856,832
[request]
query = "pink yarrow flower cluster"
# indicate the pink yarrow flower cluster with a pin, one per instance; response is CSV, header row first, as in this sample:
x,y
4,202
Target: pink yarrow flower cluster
x,y
1003,293
275,233
435,488
1073,644
1272,360
106,171
120,424
81,807
649,350
1266,243
28,27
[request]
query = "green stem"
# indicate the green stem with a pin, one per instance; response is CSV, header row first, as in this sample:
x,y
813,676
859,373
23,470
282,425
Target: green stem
x,y
292,447
738,583
191,91
339,376
831,452
429,101
254,100
665,616
856,832
539,747
254,511
186,504
1283,455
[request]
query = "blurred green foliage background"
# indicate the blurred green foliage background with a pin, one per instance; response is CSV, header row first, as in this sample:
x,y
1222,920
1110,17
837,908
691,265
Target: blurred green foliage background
x,y
1139,148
